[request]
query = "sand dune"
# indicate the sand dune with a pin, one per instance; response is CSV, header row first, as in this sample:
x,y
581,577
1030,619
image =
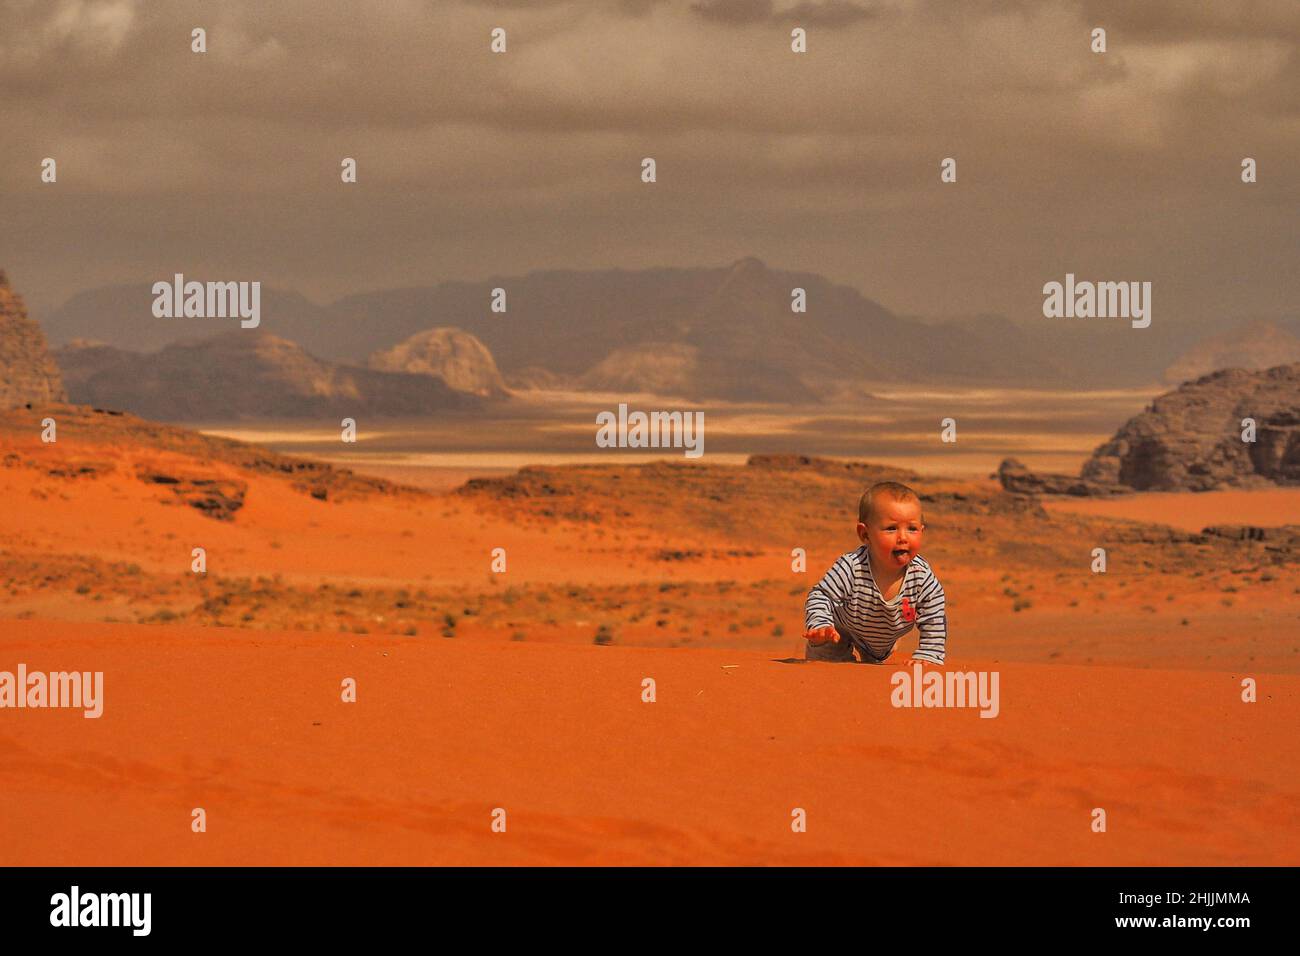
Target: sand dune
x,y
251,728
480,690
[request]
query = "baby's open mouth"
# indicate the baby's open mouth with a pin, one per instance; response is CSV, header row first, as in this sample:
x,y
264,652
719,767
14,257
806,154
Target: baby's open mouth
x,y
902,552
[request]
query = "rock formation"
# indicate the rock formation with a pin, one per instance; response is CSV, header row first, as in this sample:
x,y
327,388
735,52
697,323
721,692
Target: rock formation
x,y
28,375
1191,439
1018,479
1194,438
453,355
245,374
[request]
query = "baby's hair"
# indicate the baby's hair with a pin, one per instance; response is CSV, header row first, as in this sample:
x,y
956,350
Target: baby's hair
x,y
895,490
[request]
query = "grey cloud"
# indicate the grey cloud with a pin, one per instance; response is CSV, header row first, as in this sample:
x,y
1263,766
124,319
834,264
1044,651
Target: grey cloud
x,y
823,13
734,12
473,163
830,13
634,8
1173,20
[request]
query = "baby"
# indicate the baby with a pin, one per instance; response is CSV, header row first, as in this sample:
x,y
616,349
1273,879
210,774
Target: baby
x,y
873,596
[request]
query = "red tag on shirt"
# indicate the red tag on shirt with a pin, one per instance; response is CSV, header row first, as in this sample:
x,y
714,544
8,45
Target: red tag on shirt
x,y
909,612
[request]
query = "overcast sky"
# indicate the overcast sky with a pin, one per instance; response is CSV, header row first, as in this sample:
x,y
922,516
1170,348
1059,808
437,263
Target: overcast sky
x,y
225,165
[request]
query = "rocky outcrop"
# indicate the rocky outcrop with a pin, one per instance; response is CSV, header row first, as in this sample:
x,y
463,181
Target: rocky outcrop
x,y
217,498
862,471
245,374
453,355
1280,538
28,375
1018,479
1192,438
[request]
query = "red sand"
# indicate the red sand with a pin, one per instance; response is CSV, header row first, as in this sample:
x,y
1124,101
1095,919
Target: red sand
x,y
521,711
250,726
1192,512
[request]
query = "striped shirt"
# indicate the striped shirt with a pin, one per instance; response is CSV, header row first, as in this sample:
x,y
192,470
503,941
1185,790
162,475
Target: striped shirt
x,y
848,598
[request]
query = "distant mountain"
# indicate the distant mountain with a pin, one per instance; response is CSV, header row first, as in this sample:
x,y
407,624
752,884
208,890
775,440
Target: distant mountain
x,y
451,355
27,372
122,316
1259,344
244,374
724,332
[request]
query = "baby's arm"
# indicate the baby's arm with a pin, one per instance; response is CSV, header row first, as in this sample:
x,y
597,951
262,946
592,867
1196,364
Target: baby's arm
x,y
931,622
832,589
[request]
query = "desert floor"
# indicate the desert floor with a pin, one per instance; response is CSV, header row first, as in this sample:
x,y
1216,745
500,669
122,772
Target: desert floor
x,y
250,727
522,689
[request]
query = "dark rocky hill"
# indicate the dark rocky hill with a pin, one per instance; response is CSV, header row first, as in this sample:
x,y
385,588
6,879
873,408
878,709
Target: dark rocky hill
x,y
1191,438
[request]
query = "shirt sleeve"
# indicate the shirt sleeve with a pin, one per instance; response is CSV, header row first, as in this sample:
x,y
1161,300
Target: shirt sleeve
x,y
931,622
834,588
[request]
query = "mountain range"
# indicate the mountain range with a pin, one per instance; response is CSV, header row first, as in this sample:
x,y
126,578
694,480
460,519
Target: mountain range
x,y
723,333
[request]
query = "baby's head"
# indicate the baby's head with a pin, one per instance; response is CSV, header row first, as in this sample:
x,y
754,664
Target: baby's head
x,y
890,525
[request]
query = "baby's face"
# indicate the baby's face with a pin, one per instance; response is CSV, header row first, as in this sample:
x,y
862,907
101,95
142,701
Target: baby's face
x,y
892,532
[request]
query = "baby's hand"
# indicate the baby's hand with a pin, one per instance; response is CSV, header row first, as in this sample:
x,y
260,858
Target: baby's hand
x,y
822,635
